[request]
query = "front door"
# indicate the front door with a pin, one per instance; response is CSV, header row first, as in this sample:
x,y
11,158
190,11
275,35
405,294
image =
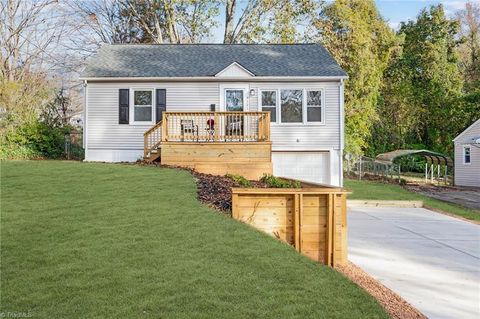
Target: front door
x,y
234,100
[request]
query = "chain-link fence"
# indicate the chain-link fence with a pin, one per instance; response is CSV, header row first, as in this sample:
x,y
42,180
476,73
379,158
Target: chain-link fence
x,y
74,145
362,166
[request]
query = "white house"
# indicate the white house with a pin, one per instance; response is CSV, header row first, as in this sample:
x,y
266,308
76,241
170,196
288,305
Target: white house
x,y
467,156
146,100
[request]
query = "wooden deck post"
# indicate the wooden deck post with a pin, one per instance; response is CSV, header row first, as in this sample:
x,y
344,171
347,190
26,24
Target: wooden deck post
x,y
297,204
328,241
164,127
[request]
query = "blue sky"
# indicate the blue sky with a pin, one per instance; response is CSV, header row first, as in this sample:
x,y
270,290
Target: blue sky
x,y
396,11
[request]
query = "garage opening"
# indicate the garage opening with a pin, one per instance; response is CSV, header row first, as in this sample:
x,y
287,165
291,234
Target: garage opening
x,y
307,166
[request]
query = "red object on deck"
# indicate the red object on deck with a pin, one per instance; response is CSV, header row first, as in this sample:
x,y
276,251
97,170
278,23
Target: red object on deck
x,y
211,124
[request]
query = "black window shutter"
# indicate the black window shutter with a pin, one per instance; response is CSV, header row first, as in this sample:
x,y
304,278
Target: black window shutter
x,y
161,98
123,104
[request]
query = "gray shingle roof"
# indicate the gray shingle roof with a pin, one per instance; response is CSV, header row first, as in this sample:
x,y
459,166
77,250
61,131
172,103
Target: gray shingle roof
x,y
200,60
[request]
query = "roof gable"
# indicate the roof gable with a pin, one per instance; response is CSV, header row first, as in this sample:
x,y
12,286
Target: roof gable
x,y
477,122
208,60
234,70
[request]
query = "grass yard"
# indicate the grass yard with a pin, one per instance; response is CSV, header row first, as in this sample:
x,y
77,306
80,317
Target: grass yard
x,y
121,241
384,191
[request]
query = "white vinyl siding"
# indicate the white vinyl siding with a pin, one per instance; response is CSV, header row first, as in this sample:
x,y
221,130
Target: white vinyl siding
x,y
103,133
310,136
102,128
467,174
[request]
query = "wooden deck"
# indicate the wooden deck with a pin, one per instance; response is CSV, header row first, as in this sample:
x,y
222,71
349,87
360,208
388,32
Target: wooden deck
x,y
213,142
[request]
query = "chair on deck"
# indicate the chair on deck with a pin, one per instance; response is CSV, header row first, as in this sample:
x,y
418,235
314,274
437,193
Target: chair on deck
x,y
188,128
234,127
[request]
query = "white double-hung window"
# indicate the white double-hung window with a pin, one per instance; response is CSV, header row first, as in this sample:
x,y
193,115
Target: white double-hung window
x,y
314,106
268,103
142,106
293,106
466,155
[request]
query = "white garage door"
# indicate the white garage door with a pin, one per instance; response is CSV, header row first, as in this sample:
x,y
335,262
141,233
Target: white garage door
x,y
306,166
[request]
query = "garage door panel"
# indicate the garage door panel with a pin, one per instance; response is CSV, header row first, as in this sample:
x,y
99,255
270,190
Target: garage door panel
x,y
307,166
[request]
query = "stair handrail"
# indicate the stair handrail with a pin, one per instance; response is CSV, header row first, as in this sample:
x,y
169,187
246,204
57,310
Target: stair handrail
x,y
152,138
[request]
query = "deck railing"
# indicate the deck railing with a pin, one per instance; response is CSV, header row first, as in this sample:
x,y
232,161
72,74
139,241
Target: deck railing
x,y
216,126
152,138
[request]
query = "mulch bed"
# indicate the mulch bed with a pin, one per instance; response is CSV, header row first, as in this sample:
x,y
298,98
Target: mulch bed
x,y
216,191
395,305
212,190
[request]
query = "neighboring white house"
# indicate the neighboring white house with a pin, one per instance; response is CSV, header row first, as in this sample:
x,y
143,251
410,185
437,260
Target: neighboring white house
x,y
467,156
301,85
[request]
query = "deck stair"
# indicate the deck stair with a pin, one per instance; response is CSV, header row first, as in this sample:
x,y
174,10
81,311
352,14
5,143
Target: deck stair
x,y
151,143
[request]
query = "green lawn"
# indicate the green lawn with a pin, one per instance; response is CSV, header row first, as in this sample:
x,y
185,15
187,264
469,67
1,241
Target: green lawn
x,y
123,241
383,191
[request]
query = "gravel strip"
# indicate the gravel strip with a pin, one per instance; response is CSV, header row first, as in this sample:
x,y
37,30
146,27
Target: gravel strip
x,y
395,305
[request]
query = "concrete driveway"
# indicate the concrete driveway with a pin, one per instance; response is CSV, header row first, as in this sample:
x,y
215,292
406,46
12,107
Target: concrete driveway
x,y
464,196
431,260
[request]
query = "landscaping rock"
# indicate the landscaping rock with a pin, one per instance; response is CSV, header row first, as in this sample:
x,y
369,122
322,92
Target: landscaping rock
x,y
395,305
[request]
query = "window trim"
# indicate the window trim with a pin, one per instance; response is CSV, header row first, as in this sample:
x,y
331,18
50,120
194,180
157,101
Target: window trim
x,y
132,108
234,86
304,105
464,154
322,107
260,104
280,107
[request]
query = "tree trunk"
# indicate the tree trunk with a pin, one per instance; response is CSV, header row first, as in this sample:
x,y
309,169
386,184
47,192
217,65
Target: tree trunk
x,y
171,23
229,16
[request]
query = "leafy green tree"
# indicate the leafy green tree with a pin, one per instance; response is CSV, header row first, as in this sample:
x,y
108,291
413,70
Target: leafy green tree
x,y
469,49
423,85
362,42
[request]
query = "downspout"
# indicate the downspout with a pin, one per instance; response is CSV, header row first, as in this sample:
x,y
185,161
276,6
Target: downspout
x,y
342,129
85,116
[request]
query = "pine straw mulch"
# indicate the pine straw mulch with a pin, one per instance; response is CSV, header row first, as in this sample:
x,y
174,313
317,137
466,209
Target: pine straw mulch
x,y
395,305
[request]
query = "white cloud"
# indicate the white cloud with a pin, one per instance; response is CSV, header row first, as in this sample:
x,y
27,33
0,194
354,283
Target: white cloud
x,y
452,6
394,25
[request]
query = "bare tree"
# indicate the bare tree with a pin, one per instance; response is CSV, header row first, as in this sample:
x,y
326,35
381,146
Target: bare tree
x,y
266,20
469,50
229,16
29,32
249,24
196,19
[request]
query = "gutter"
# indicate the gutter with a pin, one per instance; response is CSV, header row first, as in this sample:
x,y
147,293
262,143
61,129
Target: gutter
x,y
217,79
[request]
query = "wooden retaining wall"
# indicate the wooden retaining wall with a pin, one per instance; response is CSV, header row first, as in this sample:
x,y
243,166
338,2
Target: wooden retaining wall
x,y
313,220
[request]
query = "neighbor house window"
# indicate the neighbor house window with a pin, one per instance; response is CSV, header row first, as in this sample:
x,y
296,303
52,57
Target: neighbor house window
x,y
269,104
142,105
466,155
314,106
291,106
